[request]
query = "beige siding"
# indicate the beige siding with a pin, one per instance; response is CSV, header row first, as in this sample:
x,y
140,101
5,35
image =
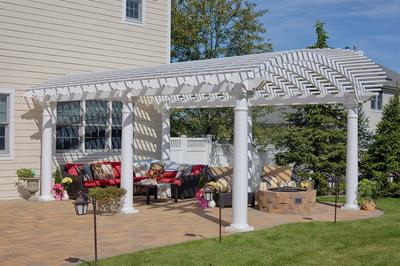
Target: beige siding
x,y
375,116
42,39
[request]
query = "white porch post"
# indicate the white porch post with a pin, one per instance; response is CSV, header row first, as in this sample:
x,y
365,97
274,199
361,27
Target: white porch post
x,y
46,171
240,168
166,134
352,159
250,167
127,156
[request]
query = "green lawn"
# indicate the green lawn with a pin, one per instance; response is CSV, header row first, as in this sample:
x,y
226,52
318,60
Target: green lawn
x,y
367,242
342,199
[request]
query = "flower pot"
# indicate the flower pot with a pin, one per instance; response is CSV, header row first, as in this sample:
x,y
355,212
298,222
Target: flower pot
x,y
368,205
65,195
32,186
58,197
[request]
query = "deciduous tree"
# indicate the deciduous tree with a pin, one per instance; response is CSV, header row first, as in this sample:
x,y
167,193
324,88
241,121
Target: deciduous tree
x,y
211,29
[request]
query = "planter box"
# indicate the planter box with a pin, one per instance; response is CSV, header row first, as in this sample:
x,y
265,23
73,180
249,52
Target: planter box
x,y
226,199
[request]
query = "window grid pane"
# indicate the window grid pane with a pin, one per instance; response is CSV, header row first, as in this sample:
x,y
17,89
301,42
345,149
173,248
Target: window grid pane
x,y
2,138
96,124
373,102
3,108
380,99
68,122
116,130
133,9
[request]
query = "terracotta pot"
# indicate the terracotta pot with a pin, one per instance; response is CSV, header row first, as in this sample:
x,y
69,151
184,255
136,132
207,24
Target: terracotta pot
x,y
368,205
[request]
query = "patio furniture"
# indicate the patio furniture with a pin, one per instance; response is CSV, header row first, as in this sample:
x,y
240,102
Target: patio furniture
x,y
226,199
151,190
184,177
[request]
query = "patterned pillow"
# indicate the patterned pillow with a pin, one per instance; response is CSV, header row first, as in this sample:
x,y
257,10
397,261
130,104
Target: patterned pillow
x,y
102,171
86,171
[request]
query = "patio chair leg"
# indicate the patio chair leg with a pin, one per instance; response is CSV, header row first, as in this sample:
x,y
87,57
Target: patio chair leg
x,y
176,193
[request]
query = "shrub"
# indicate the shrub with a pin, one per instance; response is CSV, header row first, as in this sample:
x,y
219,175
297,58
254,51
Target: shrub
x,y
367,190
108,199
394,189
25,173
57,176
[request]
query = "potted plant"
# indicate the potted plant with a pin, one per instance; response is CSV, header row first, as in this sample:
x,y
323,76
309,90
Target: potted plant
x,y
58,191
367,194
109,199
32,182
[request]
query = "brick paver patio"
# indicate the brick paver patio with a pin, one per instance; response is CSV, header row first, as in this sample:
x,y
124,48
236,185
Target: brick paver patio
x,y
49,233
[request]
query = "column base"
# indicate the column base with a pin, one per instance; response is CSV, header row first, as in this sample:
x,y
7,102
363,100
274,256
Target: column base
x,y
129,210
46,198
351,207
239,228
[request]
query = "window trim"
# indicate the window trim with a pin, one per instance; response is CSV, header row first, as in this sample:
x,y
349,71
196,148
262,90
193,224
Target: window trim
x,y
10,117
127,20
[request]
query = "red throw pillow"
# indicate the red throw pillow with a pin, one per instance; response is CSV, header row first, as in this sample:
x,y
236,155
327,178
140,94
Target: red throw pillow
x,y
116,166
72,168
169,174
197,169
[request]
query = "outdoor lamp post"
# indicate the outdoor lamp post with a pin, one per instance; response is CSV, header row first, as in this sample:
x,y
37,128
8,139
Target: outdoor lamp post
x,y
81,207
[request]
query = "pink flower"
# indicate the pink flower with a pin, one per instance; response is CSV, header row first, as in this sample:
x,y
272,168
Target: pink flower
x,y
57,189
200,199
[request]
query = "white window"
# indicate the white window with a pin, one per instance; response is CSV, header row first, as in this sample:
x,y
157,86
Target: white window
x,y
6,123
133,11
376,101
99,121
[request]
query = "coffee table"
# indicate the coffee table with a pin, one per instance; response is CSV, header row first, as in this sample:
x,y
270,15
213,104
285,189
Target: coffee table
x,y
151,190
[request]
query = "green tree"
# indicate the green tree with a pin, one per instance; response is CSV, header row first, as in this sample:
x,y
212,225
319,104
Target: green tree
x,y
315,141
322,36
383,155
211,29
316,138
365,136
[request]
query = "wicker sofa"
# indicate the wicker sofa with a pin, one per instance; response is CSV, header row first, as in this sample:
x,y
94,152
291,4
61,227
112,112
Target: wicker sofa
x,y
184,177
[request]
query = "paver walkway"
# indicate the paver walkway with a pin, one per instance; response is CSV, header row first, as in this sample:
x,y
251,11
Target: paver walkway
x,y
49,233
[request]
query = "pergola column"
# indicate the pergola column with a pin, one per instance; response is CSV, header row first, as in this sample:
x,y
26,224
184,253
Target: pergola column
x,y
127,156
46,171
240,168
352,159
166,134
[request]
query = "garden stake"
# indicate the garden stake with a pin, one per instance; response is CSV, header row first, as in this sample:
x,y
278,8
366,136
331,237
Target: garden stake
x,y
336,195
95,229
220,223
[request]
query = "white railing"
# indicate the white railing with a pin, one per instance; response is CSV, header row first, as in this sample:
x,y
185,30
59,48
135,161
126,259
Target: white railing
x,y
191,150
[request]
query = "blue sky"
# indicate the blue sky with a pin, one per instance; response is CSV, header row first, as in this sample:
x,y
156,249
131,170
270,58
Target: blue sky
x,y
373,26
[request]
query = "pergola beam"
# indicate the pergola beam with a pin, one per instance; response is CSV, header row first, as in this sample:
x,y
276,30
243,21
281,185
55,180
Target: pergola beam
x,y
282,101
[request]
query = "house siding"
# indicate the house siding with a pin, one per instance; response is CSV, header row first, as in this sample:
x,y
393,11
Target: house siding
x,y
375,116
44,39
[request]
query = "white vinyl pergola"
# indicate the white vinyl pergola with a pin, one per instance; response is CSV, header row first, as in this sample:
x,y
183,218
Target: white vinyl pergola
x,y
299,77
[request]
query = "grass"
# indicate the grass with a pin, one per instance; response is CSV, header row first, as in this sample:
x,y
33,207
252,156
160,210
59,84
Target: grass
x,y
342,199
374,241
